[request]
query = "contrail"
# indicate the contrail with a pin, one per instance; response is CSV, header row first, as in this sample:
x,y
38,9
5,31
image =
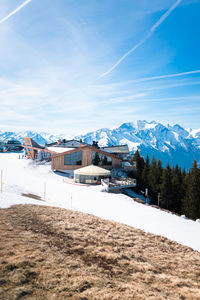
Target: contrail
x,y
153,28
14,11
162,19
166,76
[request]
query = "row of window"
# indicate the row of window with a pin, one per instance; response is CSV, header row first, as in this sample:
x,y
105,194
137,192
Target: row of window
x,y
73,158
98,159
88,179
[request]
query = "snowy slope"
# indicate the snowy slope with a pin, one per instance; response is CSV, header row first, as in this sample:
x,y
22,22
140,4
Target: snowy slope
x,y
23,176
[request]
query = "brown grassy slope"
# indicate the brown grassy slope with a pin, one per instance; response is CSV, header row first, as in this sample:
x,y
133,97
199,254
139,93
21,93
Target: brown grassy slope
x,y
52,253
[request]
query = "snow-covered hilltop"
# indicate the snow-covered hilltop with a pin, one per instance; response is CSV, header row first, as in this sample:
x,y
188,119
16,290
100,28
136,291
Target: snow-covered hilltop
x,y
173,144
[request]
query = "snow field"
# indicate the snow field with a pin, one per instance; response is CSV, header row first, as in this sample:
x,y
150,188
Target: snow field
x,y
24,176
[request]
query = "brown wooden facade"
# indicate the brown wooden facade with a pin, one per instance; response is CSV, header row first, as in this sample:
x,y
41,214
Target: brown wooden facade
x,y
58,160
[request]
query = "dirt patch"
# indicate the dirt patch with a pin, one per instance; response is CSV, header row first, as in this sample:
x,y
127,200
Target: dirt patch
x,y
52,253
32,196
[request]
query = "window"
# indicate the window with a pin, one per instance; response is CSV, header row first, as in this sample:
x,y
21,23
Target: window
x,y
73,158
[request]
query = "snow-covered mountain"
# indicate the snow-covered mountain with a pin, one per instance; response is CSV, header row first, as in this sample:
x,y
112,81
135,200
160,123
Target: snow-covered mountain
x,y
173,144
41,138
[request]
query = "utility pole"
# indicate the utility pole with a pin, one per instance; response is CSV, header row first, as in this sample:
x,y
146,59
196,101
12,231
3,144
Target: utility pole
x,y
146,194
44,191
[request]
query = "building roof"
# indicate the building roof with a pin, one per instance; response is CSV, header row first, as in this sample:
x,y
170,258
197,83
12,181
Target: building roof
x,y
92,171
84,147
117,149
30,143
64,143
59,149
36,145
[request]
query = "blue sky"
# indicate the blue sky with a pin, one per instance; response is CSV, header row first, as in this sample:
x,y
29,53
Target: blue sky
x,y
60,67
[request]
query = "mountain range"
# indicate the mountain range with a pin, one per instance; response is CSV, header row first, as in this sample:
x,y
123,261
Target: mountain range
x,y
173,144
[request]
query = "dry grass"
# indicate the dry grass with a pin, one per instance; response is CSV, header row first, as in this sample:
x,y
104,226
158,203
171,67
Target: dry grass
x,y
32,196
52,253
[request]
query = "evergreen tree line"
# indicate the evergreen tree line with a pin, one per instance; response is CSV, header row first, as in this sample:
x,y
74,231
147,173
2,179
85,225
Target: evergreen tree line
x,y
172,188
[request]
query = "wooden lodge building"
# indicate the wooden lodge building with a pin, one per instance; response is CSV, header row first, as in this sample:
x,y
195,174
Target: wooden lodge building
x,y
84,156
70,155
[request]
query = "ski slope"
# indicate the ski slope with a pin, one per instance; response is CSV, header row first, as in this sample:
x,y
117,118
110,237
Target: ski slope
x,y
25,176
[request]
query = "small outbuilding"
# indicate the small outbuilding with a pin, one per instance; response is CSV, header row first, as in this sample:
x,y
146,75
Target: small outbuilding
x,y
90,174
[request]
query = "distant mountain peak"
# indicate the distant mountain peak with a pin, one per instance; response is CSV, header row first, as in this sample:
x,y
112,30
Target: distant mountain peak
x,y
170,143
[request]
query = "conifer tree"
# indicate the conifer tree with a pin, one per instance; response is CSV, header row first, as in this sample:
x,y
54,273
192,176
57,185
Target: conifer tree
x,y
139,161
180,192
105,161
160,170
191,201
96,160
155,175
183,174
139,168
152,174
166,188
177,189
145,173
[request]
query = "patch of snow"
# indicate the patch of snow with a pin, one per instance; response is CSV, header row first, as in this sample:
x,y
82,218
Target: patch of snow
x,y
183,216
59,149
131,145
184,146
172,146
195,132
150,125
153,143
176,136
165,148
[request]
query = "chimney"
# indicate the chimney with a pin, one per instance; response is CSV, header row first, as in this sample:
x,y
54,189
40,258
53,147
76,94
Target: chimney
x,y
95,144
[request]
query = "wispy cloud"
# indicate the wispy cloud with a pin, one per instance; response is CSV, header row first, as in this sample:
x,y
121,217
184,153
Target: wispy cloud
x,y
14,11
153,28
169,99
166,76
169,86
56,88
